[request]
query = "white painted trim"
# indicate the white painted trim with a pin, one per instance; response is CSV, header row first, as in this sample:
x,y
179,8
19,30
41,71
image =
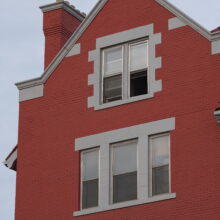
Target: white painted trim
x,y
11,159
74,51
174,23
31,93
104,140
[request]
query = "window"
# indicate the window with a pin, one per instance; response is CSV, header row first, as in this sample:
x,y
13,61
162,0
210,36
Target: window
x,y
130,167
124,71
90,180
159,164
124,171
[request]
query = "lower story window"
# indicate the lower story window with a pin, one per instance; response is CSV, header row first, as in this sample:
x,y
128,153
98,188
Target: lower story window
x,y
124,171
90,180
159,164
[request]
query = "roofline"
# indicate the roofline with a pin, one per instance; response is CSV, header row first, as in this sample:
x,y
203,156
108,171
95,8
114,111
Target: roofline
x,y
66,48
189,21
82,27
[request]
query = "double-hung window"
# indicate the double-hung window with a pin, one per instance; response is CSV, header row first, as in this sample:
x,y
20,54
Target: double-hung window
x,y
89,178
124,171
125,71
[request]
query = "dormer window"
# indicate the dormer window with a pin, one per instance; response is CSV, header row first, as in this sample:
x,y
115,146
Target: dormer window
x,y
124,71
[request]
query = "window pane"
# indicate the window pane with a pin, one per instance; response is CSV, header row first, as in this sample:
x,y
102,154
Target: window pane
x,y
138,83
160,150
160,180
138,56
125,187
124,170
125,158
90,165
113,60
90,194
112,88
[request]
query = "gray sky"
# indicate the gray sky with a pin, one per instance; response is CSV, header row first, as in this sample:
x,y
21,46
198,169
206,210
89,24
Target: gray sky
x,y
21,58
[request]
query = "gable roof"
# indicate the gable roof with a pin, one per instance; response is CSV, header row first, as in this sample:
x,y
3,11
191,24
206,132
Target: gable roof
x,y
212,36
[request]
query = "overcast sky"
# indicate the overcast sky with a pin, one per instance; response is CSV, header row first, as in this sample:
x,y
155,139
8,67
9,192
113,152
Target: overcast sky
x,y
21,58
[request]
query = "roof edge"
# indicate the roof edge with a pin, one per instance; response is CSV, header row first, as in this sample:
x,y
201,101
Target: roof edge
x,y
189,21
66,48
11,159
79,31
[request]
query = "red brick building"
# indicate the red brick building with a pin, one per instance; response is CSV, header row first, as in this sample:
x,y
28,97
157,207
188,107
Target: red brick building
x,y
124,122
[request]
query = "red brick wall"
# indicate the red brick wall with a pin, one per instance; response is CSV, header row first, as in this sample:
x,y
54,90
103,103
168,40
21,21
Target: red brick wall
x,y
58,26
48,166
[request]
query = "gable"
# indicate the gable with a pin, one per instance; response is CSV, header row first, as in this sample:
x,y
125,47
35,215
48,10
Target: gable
x,y
34,88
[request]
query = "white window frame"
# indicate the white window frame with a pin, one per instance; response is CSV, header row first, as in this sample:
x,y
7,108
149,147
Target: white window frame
x,y
82,173
140,132
150,160
126,73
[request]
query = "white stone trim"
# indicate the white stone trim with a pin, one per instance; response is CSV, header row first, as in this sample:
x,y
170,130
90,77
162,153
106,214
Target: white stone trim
x,y
126,204
120,38
31,93
74,51
103,140
174,23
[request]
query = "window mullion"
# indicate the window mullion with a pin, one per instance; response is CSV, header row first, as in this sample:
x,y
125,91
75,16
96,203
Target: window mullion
x,y
143,168
126,83
104,176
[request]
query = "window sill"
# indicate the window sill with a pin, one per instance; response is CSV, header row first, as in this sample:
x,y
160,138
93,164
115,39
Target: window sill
x,y
125,204
124,101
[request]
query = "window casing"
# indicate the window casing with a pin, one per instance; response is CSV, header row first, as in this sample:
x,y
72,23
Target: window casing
x,y
124,71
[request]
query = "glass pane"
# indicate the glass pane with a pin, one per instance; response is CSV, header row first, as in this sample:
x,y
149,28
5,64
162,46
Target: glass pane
x,y
160,180
113,61
138,56
125,187
160,150
124,158
90,194
138,83
90,165
112,88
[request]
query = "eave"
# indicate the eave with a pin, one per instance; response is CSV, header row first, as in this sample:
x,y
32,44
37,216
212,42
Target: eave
x,y
11,160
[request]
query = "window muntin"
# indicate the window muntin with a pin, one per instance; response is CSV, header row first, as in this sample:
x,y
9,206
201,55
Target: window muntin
x,y
90,178
128,64
124,171
159,164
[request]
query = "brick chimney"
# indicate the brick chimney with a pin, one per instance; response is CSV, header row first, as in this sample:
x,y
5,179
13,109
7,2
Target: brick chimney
x,y
59,22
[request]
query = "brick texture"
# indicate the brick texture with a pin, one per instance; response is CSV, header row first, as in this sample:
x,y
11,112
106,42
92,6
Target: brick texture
x,y
58,26
48,168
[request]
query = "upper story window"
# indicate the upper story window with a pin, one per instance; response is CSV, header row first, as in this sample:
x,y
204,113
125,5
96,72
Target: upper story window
x,y
124,71
125,66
